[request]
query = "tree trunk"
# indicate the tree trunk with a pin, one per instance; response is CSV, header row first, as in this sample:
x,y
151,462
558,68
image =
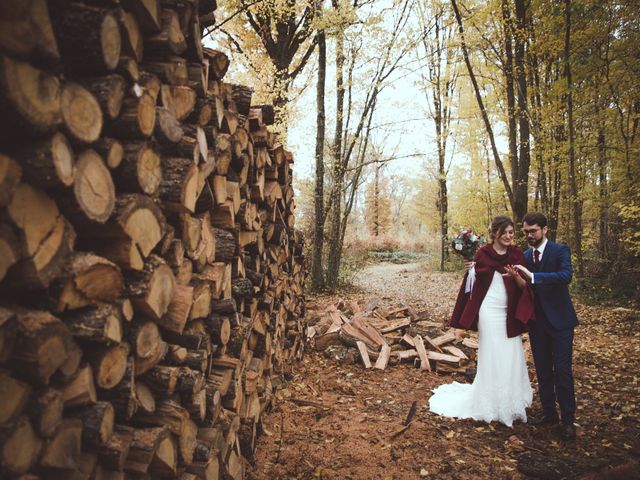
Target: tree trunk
x,y
576,203
521,180
318,199
333,262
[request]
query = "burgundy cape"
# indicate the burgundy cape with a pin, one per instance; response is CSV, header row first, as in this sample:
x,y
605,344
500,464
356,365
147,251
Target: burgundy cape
x,y
520,307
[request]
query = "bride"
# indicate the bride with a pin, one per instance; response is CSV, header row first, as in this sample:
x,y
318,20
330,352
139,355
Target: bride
x,y
498,305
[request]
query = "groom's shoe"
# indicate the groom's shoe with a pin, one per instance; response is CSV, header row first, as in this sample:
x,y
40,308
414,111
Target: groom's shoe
x,y
567,432
542,420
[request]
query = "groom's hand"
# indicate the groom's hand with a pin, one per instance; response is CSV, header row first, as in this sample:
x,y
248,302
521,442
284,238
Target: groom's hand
x,y
525,271
468,264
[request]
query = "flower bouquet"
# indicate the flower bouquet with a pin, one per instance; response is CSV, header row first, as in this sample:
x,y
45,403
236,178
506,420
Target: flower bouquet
x,y
467,243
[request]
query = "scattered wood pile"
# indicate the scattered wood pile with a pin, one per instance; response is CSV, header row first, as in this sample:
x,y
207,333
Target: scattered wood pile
x,y
151,281
380,336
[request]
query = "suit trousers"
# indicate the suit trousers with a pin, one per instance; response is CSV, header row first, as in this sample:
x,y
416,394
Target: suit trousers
x,y
552,353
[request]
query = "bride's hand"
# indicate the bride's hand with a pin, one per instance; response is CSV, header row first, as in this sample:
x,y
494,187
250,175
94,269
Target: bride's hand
x,y
511,271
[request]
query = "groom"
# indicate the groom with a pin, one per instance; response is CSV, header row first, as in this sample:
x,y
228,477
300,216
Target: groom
x,y
551,335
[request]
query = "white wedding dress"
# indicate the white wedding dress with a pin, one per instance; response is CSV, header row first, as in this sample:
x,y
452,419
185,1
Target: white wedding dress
x,y
501,390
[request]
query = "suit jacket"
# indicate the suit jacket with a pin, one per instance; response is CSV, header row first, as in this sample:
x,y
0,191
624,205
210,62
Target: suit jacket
x,y
551,285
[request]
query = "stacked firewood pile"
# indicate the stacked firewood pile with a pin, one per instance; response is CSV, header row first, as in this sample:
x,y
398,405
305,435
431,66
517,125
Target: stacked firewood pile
x,y
380,336
151,281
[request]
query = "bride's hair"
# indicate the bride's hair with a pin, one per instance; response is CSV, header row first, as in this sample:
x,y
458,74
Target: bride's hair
x,y
499,225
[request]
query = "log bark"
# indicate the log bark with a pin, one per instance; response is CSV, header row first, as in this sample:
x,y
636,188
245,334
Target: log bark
x,y
45,411
40,346
167,130
140,170
97,424
48,164
179,188
102,324
88,38
10,175
172,71
109,91
113,453
111,150
143,447
163,380
136,120
226,245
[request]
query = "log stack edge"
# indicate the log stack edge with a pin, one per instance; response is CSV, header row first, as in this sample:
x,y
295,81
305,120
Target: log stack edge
x,y
151,279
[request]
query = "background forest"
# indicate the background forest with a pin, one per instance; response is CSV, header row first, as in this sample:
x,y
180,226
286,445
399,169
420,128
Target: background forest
x,y
411,119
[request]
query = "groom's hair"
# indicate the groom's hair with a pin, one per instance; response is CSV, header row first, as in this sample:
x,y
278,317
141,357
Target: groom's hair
x,y
535,218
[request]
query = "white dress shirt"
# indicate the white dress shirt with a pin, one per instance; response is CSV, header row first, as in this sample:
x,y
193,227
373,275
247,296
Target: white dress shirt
x,y
540,249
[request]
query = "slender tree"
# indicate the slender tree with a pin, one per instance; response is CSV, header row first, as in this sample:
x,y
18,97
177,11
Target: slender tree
x,y
318,240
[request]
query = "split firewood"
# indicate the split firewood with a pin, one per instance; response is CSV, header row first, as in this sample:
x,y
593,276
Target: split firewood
x,y
364,354
113,453
143,447
45,411
97,423
151,289
80,390
46,238
64,448
455,351
422,353
383,358
87,280
19,446
40,348
13,397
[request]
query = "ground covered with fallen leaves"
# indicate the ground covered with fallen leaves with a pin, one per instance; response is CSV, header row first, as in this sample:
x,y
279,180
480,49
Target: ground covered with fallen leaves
x,y
333,420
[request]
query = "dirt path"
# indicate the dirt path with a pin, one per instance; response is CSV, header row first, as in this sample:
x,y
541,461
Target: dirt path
x,y
346,430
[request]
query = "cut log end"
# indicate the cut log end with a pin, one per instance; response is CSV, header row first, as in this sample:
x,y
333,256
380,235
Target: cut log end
x,y
93,187
81,113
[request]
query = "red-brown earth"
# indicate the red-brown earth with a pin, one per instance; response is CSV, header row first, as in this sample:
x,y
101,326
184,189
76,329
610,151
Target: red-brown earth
x,y
347,432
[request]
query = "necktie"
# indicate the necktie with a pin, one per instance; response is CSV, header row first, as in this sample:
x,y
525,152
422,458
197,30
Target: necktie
x,y
536,258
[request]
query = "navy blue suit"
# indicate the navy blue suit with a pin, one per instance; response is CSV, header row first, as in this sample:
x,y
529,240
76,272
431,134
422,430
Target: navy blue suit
x,y
551,334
